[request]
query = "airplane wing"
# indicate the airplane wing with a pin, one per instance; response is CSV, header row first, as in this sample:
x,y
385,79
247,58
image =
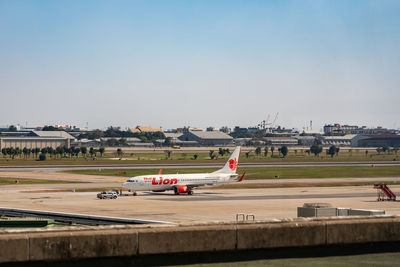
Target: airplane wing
x,y
200,185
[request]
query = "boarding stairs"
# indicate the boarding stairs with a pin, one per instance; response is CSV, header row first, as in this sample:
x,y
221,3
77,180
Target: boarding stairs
x,y
384,193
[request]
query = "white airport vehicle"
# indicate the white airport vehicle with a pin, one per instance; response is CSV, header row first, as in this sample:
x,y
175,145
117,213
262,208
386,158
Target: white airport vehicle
x,y
110,194
184,183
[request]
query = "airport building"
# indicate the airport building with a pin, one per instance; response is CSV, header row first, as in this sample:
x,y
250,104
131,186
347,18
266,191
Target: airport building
x,y
33,142
213,138
281,141
37,139
305,140
344,140
53,134
377,140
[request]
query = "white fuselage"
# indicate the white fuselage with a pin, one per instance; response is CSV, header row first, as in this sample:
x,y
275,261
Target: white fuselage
x,y
162,182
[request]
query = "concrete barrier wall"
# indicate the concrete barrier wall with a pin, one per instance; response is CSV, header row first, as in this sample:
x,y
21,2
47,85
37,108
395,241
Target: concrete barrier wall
x,y
116,241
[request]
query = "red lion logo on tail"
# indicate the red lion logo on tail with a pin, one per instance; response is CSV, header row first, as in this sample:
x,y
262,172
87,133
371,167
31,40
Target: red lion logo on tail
x,y
233,164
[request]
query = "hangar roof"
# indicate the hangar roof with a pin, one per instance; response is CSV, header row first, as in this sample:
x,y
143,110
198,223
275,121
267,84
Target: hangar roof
x,y
344,137
211,135
62,134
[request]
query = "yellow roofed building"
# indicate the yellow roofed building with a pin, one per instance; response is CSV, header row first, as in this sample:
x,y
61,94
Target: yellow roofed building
x,y
145,129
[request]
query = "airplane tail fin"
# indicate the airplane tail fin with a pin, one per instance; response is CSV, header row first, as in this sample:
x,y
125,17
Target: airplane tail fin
x,y
232,164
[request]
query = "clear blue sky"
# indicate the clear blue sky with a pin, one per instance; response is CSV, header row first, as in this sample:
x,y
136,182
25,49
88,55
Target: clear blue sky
x,y
199,63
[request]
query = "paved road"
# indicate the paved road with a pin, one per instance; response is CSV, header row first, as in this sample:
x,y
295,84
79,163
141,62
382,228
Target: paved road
x,y
200,165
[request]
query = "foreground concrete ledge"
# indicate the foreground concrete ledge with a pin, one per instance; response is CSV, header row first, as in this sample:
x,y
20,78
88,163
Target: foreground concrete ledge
x,y
66,243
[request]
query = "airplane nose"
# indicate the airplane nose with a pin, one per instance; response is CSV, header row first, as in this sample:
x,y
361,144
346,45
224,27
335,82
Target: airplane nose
x,y
124,184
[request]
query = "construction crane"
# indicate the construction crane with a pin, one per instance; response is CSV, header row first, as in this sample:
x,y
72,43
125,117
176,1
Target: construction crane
x,y
276,117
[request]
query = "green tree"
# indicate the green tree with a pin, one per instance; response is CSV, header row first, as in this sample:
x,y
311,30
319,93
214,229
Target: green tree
x,y
92,152
258,151
58,151
102,150
366,153
385,149
284,151
71,152
265,151
120,152
195,156
247,154
332,151
51,128
42,156
221,151
272,151
95,134
50,150
84,151
44,150
211,154
316,149
12,128
168,141
25,152
76,151
11,152
37,150
168,153
18,152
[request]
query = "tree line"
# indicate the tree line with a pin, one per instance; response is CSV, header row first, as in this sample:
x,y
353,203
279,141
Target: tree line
x,y
59,152
114,132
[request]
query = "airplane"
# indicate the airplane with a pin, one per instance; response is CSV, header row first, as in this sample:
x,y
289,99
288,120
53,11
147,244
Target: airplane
x,y
184,183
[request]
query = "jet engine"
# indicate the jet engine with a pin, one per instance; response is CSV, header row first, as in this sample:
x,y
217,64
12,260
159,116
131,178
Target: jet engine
x,y
182,189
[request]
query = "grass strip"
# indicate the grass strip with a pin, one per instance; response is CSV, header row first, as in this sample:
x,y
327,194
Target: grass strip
x,y
8,181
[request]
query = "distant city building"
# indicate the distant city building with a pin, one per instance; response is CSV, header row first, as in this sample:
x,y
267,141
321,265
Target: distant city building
x,y
194,129
351,129
211,129
225,129
238,129
253,129
339,129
